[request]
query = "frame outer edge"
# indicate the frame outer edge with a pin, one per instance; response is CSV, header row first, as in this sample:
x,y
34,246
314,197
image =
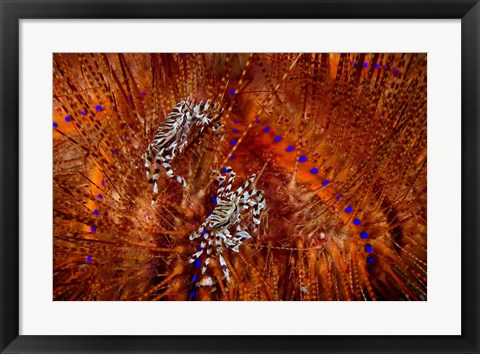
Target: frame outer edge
x,y
470,176
9,207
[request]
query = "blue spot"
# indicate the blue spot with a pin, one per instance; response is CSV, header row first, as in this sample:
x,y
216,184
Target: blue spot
x,y
197,263
55,124
370,260
224,170
103,182
365,65
195,278
348,209
204,232
93,229
183,54
144,216
115,151
385,66
354,64
314,171
277,138
99,196
338,196
68,119
199,248
357,221
214,200
257,120
192,293
89,259
324,183
233,142
302,159
377,66
209,215
235,131
98,108
95,212
266,129
83,113
232,92
143,93
235,121
364,234
395,71
290,148
232,156
121,138
369,248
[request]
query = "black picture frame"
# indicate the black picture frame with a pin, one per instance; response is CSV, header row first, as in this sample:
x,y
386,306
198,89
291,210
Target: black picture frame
x,y
12,11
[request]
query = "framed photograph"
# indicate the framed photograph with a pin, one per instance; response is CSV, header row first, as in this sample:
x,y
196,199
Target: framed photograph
x,y
233,176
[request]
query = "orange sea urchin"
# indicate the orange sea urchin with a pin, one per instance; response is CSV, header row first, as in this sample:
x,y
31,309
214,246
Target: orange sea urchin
x,y
338,146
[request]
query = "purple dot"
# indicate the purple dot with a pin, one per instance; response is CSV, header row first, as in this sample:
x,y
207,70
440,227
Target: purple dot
x,y
95,212
232,156
370,260
115,152
277,138
183,54
235,121
326,182
368,248
338,196
197,263
93,229
55,125
233,142
365,65
395,71
357,222
302,159
83,113
98,108
257,120
99,196
192,293
214,200
143,93
103,183
290,148
266,129
377,66
235,131
348,209
354,64
199,248
68,119
385,66
232,92
195,278
121,138
89,259
364,234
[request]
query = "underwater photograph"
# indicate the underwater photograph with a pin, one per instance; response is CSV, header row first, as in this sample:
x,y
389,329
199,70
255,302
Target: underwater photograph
x,y
239,176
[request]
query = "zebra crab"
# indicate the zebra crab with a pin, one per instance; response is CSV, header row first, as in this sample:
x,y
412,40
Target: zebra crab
x,y
236,215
